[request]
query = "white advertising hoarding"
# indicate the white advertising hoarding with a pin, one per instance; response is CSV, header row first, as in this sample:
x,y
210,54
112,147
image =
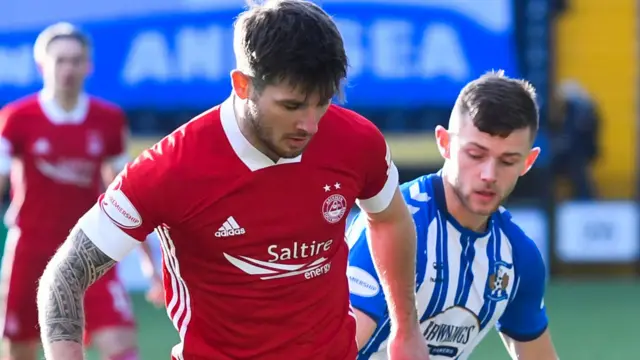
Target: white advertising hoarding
x,y
597,232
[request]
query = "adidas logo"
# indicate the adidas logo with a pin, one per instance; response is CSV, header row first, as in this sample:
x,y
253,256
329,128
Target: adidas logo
x,y
230,228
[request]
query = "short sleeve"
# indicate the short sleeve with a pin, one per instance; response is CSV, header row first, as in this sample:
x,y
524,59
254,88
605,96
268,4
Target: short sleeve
x,y
525,318
130,209
364,286
381,174
10,139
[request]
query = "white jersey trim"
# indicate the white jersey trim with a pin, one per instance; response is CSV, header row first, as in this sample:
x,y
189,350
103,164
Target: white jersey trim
x,y
382,200
57,115
179,306
106,235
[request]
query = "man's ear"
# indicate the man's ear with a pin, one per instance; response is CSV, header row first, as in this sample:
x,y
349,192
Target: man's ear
x,y
530,160
443,140
240,83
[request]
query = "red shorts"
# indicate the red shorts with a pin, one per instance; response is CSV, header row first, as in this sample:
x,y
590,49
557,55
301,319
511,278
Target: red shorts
x,y
106,304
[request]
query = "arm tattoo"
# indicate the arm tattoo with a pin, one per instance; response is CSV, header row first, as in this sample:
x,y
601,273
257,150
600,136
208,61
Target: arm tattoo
x,y
75,266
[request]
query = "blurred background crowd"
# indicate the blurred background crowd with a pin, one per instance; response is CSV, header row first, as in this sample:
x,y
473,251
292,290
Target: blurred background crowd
x,y
164,61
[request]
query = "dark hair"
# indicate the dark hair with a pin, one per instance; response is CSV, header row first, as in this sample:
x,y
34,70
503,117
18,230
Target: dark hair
x,y
498,105
62,30
293,41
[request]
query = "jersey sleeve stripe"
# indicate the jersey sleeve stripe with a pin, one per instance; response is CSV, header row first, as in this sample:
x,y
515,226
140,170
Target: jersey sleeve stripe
x,y
382,200
179,307
106,235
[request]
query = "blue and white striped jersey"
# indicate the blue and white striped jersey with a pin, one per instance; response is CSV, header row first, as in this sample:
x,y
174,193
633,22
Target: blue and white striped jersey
x,y
467,282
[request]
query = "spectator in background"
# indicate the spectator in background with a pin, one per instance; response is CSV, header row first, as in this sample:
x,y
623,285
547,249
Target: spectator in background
x,y
58,147
575,139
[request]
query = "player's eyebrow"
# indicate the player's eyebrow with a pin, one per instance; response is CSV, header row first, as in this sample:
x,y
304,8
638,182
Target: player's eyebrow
x,y
295,102
475,144
505,154
511,154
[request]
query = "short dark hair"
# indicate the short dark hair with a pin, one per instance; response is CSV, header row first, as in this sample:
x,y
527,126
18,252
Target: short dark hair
x,y
293,41
61,30
498,104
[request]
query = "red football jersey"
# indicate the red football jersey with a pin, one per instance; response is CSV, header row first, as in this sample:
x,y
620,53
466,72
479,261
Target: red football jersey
x,y
254,251
55,158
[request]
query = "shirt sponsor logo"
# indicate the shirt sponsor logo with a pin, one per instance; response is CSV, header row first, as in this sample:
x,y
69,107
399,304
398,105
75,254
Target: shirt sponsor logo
x,y
449,332
287,261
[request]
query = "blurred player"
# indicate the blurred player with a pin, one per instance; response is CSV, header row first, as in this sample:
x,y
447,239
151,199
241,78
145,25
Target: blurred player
x,y
57,145
250,200
475,267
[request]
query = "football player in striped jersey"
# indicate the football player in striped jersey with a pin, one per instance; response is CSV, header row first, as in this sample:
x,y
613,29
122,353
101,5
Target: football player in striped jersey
x,y
476,269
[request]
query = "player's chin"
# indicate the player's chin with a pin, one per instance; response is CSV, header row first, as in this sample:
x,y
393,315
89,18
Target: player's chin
x,y
291,151
484,208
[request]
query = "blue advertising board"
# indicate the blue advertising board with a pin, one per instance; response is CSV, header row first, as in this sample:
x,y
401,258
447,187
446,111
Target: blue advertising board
x,y
178,53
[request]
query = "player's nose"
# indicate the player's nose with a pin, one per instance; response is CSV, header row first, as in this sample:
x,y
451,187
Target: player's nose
x,y
308,123
488,171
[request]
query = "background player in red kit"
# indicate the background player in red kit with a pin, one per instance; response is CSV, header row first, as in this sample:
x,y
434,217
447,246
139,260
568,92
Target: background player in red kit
x,y
56,144
250,201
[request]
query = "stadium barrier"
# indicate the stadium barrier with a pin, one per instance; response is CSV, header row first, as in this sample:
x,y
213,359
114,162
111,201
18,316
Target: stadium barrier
x,y
594,233
532,220
598,232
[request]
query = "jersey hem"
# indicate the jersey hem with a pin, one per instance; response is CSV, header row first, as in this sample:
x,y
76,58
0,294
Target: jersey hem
x,y
523,337
373,317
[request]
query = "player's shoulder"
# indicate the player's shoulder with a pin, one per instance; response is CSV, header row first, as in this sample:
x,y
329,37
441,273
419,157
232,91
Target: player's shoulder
x,y
184,143
204,129
348,123
421,184
22,106
419,192
524,249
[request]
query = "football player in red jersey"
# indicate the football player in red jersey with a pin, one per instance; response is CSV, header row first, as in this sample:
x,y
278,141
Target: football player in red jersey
x,y
59,146
250,201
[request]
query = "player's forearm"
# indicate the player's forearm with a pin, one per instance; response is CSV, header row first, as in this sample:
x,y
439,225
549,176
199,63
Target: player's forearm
x,y
75,266
393,249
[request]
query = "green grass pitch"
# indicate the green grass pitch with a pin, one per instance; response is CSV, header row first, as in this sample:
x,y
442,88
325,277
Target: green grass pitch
x,y
590,320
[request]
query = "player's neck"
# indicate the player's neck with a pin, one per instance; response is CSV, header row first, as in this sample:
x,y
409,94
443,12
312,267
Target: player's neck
x,y
67,101
459,212
249,132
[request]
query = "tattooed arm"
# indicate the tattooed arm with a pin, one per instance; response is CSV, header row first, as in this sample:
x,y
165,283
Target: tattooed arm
x,y
76,265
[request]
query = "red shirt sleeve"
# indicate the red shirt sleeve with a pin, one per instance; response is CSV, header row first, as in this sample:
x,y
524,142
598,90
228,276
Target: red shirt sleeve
x,y
381,174
11,138
10,129
133,205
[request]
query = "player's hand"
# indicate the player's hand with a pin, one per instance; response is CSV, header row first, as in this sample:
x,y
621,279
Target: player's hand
x,y
408,345
155,295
